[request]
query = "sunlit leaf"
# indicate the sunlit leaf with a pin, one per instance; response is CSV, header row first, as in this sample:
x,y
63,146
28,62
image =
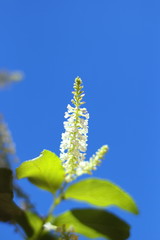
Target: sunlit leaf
x,y
44,171
36,223
101,193
94,223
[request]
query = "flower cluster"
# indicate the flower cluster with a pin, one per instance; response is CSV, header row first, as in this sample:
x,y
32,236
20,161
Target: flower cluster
x,y
73,146
63,232
94,161
7,147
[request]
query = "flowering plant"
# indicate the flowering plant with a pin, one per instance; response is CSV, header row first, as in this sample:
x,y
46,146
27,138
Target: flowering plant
x,y
58,175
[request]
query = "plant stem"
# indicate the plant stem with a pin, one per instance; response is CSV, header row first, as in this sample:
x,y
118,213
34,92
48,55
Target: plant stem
x,y
57,200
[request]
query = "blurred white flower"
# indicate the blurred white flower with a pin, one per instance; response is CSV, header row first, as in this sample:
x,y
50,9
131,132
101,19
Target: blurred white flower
x,y
48,226
7,147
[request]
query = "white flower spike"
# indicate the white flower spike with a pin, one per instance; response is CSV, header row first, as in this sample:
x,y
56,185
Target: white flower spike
x,y
73,146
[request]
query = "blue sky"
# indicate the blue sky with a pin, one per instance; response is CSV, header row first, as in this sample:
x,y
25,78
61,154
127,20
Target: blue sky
x,y
114,47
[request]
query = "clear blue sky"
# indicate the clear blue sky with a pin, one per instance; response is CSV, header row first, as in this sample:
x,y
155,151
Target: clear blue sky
x,y
114,46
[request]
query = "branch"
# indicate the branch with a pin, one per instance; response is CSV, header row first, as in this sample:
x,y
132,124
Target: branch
x,y
9,211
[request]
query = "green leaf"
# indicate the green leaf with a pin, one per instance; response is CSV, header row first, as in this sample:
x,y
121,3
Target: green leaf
x,y
101,193
94,223
45,171
36,223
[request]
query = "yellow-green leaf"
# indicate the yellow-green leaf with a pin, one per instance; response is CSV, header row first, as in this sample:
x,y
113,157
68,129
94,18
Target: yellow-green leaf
x,y
101,193
94,223
36,224
45,171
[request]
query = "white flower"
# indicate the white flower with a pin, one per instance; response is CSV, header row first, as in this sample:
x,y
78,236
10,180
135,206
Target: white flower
x,y
48,226
73,146
94,161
